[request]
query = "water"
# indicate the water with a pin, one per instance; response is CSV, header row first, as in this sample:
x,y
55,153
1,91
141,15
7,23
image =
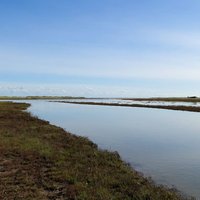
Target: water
x,y
162,144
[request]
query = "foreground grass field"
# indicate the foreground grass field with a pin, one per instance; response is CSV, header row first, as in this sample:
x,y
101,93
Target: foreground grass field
x,y
41,161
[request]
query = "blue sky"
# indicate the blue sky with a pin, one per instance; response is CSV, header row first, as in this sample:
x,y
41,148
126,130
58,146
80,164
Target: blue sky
x,y
100,48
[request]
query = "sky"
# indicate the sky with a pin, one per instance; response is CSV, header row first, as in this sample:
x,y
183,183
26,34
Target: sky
x,y
106,48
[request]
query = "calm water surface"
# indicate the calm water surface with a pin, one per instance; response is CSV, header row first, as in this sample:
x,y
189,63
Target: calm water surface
x,y
162,144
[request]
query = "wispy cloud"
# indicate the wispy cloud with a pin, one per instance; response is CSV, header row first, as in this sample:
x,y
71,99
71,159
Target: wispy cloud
x,y
175,38
157,65
66,90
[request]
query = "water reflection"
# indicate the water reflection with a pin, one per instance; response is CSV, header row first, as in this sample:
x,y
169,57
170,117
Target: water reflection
x,y
162,144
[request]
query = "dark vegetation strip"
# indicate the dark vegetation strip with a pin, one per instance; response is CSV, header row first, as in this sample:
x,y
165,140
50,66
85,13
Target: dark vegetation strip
x,y
167,99
37,97
181,108
41,161
172,99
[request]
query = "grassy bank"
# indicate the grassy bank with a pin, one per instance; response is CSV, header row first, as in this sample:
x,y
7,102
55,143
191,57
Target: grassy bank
x,y
41,161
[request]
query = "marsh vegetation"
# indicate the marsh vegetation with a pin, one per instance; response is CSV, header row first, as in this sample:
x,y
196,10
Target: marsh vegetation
x,y
39,160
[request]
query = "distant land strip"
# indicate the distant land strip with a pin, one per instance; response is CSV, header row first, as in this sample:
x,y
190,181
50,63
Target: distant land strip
x,y
171,99
37,97
169,107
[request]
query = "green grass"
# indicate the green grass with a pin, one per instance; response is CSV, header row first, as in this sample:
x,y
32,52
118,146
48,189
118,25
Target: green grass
x,y
42,161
